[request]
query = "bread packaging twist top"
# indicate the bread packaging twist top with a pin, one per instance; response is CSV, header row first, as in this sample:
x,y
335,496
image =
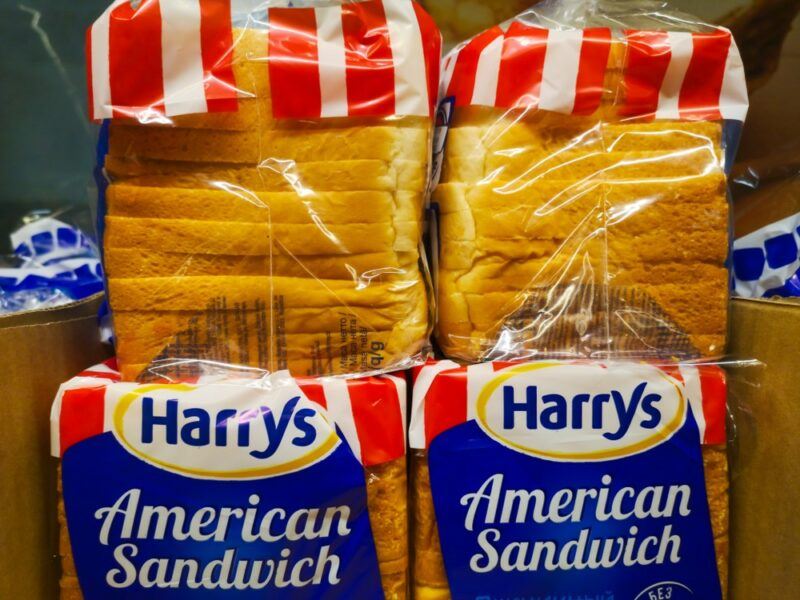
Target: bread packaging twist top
x,y
582,206
258,487
557,478
263,183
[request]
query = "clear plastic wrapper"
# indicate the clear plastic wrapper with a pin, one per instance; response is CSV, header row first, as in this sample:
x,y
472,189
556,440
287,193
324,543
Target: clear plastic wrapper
x,y
529,478
53,263
240,483
582,205
265,170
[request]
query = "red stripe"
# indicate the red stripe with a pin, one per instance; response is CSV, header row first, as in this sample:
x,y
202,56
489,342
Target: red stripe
x,y
592,70
445,403
647,59
81,415
379,421
313,391
432,48
294,63
673,371
702,84
520,78
462,83
368,59
714,389
88,51
134,56
100,375
216,40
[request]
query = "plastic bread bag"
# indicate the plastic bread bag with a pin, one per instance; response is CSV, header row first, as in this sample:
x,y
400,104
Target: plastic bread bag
x,y
53,262
766,248
595,479
582,205
263,178
253,486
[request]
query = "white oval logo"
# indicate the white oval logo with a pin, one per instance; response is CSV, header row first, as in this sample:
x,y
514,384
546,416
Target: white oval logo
x,y
581,411
223,431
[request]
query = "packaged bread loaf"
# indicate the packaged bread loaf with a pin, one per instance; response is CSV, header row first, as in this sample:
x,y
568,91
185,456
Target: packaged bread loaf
x,y
251,488
582,201
557,479
263,181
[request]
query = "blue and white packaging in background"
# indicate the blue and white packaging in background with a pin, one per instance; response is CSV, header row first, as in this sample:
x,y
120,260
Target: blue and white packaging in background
x,y
571,480
766,262
54,263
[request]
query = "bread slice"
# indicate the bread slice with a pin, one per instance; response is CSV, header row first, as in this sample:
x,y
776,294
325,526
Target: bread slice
x,y
275,175
191,293
252,146
311,326
517,171
553,132
259,239
231,204
376,267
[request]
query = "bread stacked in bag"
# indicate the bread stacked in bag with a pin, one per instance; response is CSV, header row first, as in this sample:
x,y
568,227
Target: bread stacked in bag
x,y
582,214
284,233
583,205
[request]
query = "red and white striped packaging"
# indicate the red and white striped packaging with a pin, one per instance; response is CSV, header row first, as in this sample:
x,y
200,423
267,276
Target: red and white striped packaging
x,y
444,395
664,75
163,58
370,412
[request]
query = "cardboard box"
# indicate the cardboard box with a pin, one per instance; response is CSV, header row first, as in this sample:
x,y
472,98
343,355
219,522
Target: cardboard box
x,y
765,485
38,351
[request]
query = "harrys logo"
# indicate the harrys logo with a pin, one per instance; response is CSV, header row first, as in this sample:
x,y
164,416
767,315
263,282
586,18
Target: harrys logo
x,y
223,432
581,411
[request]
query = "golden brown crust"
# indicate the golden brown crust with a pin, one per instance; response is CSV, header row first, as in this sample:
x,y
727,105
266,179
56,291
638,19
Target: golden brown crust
x,y
577,212
429,579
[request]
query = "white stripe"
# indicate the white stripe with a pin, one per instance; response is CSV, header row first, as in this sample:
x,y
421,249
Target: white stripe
x,y
560,72
477,376
400,388
448,66
408,56
340,409
101,79
55,423
332,62
694,393
487,73
681,49
102,368
182,57
416,430
733,101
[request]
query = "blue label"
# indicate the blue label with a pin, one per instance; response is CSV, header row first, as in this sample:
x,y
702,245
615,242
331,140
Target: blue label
x,y
514,525
141,531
